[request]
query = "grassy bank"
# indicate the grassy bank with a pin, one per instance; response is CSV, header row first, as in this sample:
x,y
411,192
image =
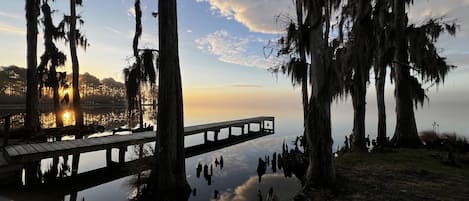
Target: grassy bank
x,y
401,174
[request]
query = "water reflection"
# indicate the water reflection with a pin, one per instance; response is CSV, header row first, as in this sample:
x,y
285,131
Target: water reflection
x,y
108,117
272,187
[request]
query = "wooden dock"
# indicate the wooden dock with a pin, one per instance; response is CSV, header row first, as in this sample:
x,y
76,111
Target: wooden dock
x,y
24,153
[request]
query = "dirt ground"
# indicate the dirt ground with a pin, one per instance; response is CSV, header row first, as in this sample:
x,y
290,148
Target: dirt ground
x,y
402,174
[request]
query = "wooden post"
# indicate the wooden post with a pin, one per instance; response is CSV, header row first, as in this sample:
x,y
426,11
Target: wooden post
x,y
109,157
273,126
242,130
122,151
205,137
32,169
229,132
75,162
249,127
6,128
261,127
140,151
215,135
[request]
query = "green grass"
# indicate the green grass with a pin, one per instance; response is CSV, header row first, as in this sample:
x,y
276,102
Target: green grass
x,y
401,174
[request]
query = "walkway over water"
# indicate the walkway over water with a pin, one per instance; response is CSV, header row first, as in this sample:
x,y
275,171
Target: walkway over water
x,y
24,153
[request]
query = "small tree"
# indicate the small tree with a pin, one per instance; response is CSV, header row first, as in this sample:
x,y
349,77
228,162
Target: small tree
x,y
52,58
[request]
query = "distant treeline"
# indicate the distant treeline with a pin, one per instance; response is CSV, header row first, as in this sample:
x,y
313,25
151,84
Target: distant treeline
x,y
93,90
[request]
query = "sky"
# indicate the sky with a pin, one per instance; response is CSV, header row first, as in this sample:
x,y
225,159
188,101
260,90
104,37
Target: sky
x,y
224,50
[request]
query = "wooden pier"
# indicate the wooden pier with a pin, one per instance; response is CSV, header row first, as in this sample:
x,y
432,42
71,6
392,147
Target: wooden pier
x,y
17,155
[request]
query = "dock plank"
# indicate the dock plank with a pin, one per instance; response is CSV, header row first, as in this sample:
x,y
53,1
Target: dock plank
x,y
38,151
11,151
21,150
29,148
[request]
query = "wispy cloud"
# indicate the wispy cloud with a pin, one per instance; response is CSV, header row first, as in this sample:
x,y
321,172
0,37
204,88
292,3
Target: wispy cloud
x,y
257,16
232,49
11,29
10,15
111,29
245,86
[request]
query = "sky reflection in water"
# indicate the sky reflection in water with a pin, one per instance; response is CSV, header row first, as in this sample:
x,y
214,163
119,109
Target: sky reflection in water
x,y
238,178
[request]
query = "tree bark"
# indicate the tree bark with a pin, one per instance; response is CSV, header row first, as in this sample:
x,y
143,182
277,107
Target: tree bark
x,y
320,172
171,183
75,65
380,67
380,82
55,88
32,94
405,134
359,109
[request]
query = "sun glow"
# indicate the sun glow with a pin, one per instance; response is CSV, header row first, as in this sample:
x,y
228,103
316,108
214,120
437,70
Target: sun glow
x,y
66,116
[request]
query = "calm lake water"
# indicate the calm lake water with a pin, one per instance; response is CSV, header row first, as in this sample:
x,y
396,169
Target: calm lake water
x,y
237,180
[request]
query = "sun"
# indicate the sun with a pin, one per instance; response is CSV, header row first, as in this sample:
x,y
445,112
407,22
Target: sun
x,y
66,116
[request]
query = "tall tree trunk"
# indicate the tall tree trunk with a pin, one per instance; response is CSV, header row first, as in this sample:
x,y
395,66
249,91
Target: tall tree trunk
x,y
75,65
140,109
58,113
380,66
359,109
320,172
171,183
379,84
405,134
32,94
55,88
138,33
362,57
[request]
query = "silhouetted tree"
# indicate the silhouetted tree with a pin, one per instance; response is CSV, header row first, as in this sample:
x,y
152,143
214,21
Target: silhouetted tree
x,y
359,59
74,38
327,82
169,175
294,45
32,98
382,23
414,50
141,72
53,58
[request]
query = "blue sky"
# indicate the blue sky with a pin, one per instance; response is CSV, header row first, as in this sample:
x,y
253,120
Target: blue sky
x,y
221,48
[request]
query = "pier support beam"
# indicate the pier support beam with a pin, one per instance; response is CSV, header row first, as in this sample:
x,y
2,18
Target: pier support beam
x,y
75,162
108,157
229,132
31,173
215,135
122,151
205,137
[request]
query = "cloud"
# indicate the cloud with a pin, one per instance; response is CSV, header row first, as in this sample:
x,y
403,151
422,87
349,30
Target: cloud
x,y
111,29
7,28
131,11
234,50
257,16
10,15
